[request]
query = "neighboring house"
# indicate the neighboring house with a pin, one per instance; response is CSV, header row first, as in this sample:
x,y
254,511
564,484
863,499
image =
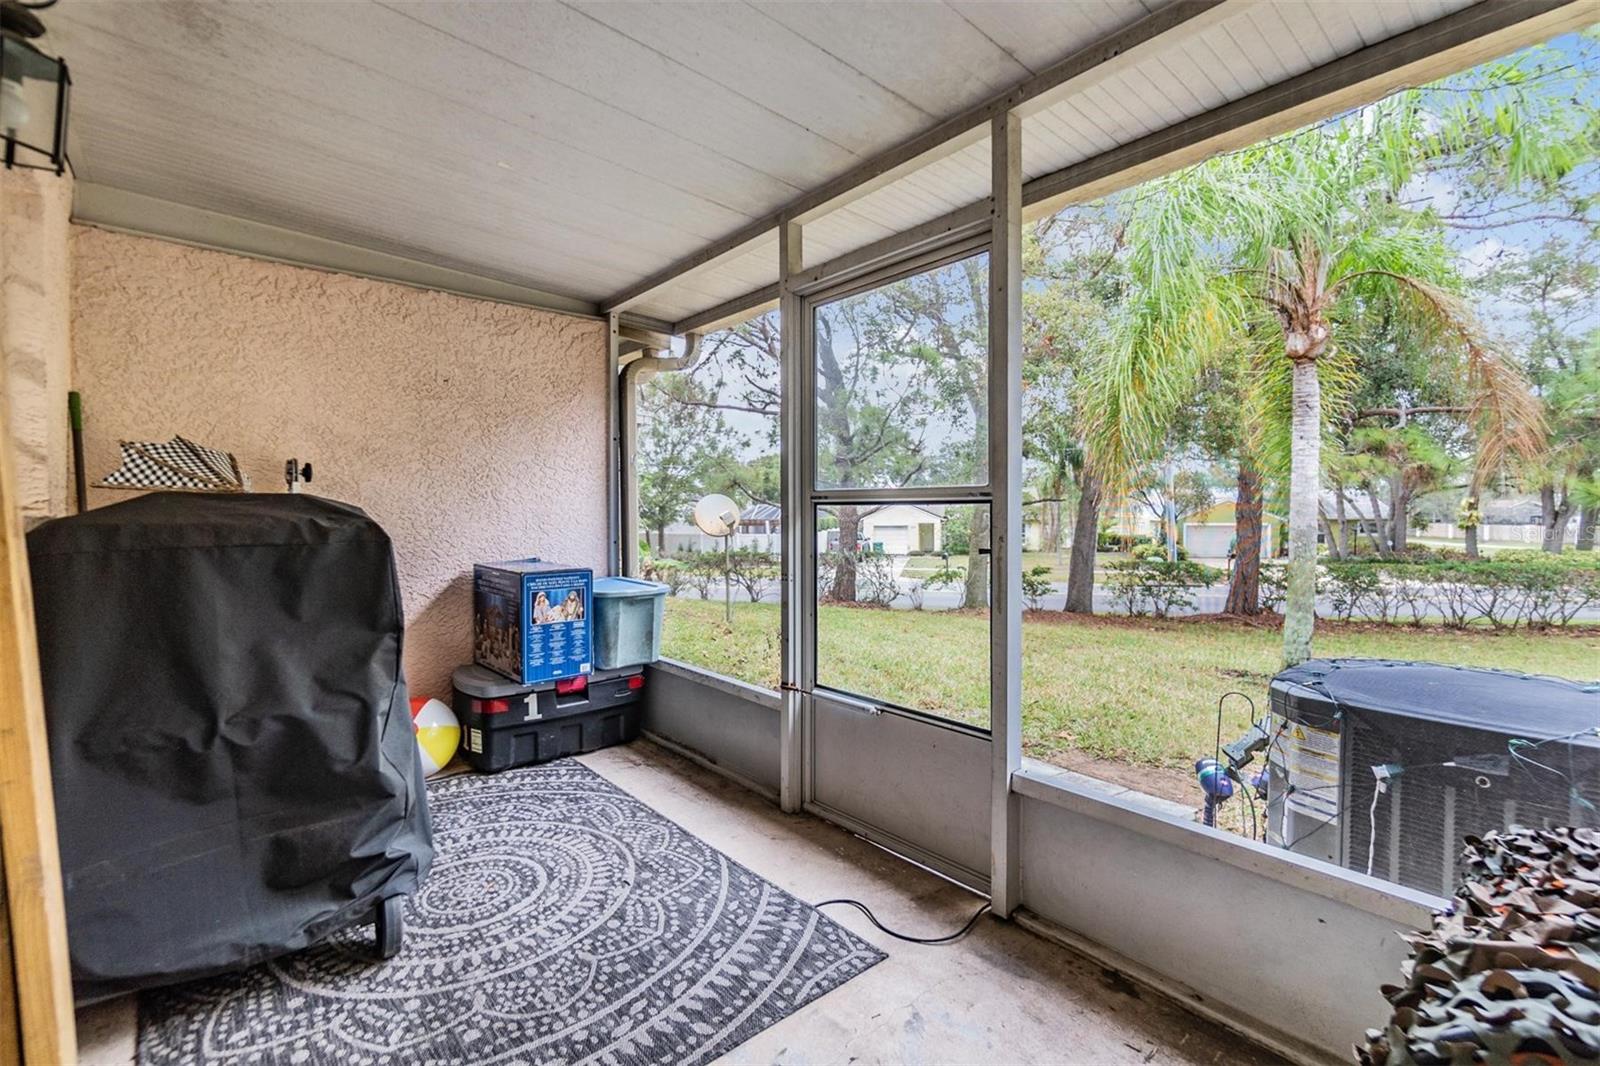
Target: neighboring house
x,y
1359,519
1512,520
897,529
761,518
1129,518
1209,533
1033,531
894,529
902,528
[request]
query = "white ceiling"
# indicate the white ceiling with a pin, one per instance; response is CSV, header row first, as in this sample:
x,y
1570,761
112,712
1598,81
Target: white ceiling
x,y
579,147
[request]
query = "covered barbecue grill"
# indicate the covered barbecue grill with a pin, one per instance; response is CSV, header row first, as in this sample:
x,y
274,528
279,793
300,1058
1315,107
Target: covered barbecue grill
x,y
230,737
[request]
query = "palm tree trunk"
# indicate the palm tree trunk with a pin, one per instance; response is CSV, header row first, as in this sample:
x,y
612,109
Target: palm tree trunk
x,y
1244,584
1305,468
1085,540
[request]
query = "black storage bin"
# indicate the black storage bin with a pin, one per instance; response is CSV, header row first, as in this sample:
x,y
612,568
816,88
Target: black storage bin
x,y
230,738
504,724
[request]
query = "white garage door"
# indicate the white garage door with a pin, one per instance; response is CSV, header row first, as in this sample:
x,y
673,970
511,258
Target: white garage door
x,y
1207,541
896,540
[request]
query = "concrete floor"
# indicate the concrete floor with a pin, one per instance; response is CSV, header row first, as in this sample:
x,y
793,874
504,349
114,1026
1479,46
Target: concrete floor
x,y
1002,995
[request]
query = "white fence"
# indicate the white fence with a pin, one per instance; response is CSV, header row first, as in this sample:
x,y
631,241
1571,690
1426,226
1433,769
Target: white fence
x,y
1530,534
683,543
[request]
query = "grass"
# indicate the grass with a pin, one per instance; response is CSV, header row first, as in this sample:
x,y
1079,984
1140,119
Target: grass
x,y
1136,692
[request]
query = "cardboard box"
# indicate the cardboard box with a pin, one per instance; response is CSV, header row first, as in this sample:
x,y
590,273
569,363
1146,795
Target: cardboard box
x,y
531,620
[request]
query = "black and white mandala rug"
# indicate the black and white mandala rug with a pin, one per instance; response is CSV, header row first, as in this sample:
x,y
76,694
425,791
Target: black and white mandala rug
x,y
563,922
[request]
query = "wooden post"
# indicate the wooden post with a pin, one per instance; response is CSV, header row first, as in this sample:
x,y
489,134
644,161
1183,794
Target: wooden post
x,y
39,1020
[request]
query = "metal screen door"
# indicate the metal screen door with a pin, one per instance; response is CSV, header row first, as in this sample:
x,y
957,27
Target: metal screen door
x,y
894,366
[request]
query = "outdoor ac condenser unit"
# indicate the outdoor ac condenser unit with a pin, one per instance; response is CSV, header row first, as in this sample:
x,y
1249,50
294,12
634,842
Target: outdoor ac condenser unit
x,y
1460,752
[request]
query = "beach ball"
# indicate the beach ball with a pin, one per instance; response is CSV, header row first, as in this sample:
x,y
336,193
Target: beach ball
x,y
438,733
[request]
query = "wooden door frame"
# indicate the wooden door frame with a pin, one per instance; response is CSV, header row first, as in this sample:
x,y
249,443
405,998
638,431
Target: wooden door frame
x,y
37,1025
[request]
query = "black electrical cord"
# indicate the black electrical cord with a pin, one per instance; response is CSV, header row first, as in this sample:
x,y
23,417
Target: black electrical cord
x,y
1249,795
873,918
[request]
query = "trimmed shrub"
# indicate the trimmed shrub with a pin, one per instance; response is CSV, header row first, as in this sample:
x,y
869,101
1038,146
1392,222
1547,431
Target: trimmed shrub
x,y
1157,551
701,570
670,572
1155,586
947,578
1036,586
1274,585
875,583
754,571
1116,542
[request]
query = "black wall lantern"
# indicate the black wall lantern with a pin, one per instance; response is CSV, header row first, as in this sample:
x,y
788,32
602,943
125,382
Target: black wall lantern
x,y
33,92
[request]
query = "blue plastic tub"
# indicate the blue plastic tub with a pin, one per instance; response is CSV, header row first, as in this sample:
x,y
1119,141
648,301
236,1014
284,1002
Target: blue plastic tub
x,y
627,621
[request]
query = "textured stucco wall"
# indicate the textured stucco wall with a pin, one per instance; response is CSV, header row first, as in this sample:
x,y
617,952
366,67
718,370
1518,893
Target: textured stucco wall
x,y
471,431
35,335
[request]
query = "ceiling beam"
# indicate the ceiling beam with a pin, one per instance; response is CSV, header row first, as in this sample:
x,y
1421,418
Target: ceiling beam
x,y
730,312
149,216
1120,48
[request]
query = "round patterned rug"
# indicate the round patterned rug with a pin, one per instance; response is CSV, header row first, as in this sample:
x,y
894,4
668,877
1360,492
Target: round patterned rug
x,y
563,921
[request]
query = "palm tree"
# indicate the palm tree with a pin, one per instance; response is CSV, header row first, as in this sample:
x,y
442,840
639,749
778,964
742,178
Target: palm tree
x,y
1268,254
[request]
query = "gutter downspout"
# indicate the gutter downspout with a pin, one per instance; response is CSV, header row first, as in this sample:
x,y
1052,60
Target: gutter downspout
x,y
632,375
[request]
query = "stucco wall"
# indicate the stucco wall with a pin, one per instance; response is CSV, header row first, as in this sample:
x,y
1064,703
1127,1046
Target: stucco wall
x,y
471,431
35,335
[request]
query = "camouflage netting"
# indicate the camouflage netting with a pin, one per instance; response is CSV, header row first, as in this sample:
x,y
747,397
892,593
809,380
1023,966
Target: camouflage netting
x,y
1512,973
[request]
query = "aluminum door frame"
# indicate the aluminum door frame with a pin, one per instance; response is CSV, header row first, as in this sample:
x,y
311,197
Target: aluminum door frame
x,y
924,791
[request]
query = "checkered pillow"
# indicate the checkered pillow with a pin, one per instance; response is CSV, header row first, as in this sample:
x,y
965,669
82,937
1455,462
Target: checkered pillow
x,y
175,464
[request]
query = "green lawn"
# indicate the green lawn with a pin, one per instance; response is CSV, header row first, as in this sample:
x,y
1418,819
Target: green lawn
x,y
1137,692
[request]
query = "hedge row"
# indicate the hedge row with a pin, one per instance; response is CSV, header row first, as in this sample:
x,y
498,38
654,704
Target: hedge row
x,y
753,571
1520,588
1156,586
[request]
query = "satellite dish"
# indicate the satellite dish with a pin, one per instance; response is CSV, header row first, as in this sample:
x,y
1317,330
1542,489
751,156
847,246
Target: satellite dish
x,y
716,515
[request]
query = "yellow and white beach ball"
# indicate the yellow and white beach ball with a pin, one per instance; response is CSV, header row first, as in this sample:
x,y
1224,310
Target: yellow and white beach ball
x,y
438,733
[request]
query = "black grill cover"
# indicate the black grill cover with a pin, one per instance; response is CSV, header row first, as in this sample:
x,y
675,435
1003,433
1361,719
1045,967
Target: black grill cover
x,y
230,736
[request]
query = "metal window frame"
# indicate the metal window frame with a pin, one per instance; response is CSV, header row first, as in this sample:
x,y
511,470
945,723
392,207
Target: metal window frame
x,y
799,538
1005,514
